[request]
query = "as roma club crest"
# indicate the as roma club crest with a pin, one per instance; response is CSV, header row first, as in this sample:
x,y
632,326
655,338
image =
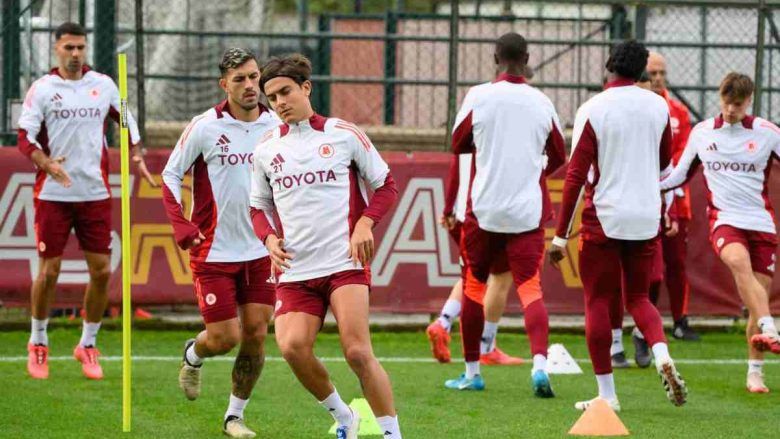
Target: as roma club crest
x,y
326,150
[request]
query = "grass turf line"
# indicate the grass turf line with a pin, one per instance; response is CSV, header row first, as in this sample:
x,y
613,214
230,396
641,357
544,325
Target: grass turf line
x,y
68,405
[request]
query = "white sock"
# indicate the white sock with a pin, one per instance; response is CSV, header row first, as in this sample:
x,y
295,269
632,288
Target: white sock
x,y
449,312
606,384
337,408
767,325
661,352
236,407
755,366
540,363
38,333
617,342
192,358
389,426
89,333
472,369
638,333
487,343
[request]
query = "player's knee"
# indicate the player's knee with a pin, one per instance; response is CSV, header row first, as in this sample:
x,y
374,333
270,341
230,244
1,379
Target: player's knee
x,y
358,357
253,333
224,342
100,274
50,270
738,263
294,350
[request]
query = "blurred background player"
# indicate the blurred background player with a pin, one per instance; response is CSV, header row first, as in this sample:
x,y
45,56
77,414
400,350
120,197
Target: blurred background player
x,y
499,280
737,151
230,266
314,170
674,243
61,130
642,356
621,144
512,131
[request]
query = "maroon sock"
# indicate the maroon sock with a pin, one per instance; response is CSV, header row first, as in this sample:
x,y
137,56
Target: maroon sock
x,y
599,334
647,319
472,322
537,327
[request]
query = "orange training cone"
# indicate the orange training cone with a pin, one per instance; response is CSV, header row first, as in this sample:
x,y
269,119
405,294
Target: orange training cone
x,y
599,420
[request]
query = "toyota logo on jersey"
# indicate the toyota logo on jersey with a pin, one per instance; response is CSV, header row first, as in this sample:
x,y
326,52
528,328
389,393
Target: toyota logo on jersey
x,y
326,150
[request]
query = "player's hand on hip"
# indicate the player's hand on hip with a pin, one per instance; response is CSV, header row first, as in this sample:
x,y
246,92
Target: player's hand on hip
x,y
144,171
197,241
55,169
361,244
555,255
279,256
448,221
671,226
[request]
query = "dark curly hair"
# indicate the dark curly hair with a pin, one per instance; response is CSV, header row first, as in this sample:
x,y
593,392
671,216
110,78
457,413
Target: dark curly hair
x,y
294,66
628,59
234,58
511,47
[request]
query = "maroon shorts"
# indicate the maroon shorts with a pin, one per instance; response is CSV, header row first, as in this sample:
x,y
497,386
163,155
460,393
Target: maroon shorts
x,y
760,245
485,252
222,286
55,219
499,265
313,296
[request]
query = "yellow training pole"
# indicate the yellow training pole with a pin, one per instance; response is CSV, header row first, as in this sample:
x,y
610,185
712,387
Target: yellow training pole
x,y
126,300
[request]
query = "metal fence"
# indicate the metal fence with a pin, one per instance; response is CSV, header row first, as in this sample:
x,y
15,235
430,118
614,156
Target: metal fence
x,y
393,68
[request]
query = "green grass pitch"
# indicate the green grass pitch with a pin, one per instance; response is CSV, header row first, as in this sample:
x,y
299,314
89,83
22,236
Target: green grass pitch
x,y
67,405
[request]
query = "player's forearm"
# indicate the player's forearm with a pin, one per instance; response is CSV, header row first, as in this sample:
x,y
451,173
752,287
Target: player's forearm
x,y
555,149
571,194
40,158
676,179
260,224
184,231
27,147
453,182
382,201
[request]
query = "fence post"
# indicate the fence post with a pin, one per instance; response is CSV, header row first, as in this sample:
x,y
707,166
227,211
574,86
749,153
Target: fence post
x,y
303,21
391,27
83,13
640,30
762,12
11,60
322,64
140,72
105,43
619,26
452,85
105,37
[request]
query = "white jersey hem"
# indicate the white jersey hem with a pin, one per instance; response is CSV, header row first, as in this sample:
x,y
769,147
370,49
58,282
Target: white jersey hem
x,y
74,199
286,278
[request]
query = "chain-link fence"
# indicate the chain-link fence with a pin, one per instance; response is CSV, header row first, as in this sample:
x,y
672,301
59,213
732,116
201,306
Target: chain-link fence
x,y
390,66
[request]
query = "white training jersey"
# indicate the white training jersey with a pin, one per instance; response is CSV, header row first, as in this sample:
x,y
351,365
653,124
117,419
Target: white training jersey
x,y
66,118
737,159
511,128
314,173
620,144
219,150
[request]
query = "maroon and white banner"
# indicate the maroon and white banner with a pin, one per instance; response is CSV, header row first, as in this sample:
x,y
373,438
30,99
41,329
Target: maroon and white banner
x,y
415,266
